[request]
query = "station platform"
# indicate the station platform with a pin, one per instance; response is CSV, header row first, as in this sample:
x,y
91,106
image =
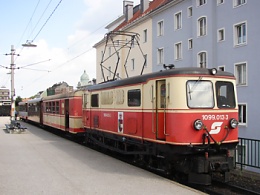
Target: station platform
x,y
38,162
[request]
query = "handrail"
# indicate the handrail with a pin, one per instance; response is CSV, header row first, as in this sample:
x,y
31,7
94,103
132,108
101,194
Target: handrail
x,y
247,153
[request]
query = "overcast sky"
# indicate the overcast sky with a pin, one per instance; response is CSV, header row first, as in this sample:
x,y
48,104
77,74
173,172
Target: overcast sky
x,y
64,32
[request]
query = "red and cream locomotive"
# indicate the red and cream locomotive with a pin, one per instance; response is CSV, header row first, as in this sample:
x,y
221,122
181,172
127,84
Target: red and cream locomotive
x,y
181,120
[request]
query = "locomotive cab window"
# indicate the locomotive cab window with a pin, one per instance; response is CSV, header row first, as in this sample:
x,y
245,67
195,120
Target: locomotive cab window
x,y
134,97
94,100
200,94
225,94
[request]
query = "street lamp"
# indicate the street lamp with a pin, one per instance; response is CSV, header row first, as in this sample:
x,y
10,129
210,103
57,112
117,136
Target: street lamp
x,y
29,44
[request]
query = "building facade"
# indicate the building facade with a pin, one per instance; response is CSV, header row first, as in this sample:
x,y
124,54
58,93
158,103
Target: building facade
x,y
220,34
205,33
5,102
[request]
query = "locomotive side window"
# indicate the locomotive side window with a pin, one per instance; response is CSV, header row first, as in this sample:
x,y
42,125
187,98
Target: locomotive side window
x,y
225,94
107,97
85,100
94,100
119,96
200,94
163,96
134,97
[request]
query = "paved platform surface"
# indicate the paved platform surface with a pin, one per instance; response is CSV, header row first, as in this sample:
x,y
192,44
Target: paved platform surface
x,y
38,162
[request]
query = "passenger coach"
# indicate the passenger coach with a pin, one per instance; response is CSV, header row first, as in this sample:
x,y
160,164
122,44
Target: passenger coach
x,y
63,111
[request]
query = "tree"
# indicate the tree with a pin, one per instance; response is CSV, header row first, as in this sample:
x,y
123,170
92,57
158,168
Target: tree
x,y
17,100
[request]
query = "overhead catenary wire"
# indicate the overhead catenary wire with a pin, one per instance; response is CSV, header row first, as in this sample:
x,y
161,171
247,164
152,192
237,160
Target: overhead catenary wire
x,y
29,22
47,20
40,19
76,56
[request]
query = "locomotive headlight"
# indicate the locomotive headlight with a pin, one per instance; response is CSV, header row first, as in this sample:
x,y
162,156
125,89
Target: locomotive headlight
x,y
214,71
233,123
198,124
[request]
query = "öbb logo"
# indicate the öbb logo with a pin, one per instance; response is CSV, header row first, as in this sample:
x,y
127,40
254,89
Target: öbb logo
x,y
215,127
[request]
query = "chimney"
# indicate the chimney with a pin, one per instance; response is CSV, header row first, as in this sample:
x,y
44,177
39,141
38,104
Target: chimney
x,y
144,5
128,9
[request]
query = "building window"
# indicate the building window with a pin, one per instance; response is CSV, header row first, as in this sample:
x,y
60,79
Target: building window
x,y
202,59
201,2
220,2
221,68
145,35
202,26
240,73
240,33
109,51
102,53
133,63
242,114
189,12
109,71
238,2
160,56
178,21
145,60
221,35
160,28
132,43
190,44
178,51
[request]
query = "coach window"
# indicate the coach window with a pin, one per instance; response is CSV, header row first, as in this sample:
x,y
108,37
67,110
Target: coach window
x,y
134,97
53,107
48,107
225,94
94,100
200,94
57,107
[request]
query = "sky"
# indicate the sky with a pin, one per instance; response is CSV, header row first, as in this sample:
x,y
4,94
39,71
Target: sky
x,y
64,32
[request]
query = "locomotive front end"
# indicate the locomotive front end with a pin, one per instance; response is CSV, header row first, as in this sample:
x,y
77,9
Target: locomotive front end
x,y
217,127
204,125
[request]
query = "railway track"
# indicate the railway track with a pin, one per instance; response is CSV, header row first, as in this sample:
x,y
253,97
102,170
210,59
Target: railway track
x,y
219,188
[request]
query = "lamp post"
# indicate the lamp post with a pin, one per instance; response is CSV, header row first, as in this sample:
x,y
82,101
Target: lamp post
x,y
12,67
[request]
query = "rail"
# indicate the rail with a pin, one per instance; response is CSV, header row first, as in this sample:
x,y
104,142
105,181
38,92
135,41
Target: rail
x,y
247,153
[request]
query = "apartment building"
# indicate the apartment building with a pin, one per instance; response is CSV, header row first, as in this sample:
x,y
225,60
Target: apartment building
x,y
197,33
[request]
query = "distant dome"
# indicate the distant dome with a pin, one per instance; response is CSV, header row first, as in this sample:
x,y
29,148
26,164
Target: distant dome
x,y
84,79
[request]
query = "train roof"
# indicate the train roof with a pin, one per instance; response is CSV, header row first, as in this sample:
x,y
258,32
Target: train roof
x,y
34,100
60,96
193,71
22,103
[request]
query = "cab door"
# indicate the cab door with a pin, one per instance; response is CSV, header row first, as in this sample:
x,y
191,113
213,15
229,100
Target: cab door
x,y
86,110
160,110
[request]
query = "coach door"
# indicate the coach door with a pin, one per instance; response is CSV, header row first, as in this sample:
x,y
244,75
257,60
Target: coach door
x,y
160,109
67,115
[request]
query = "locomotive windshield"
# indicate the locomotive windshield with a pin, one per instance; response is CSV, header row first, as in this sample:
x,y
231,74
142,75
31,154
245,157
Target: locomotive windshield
x,y
200,94
225,94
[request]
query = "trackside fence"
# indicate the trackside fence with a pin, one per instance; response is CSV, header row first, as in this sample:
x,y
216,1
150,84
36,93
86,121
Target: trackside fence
x,y
247,153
